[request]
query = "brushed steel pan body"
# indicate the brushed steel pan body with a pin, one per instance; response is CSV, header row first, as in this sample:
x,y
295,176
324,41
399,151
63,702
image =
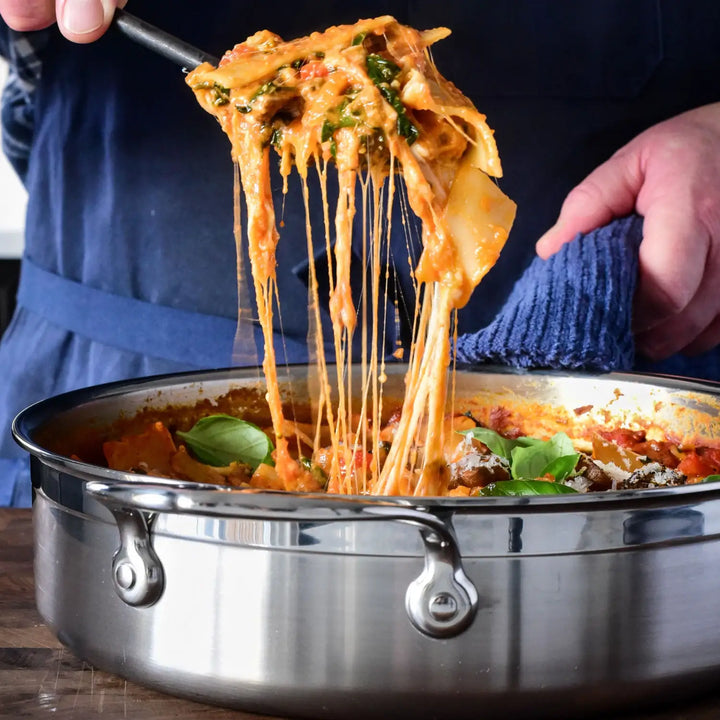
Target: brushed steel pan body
x,y
314,606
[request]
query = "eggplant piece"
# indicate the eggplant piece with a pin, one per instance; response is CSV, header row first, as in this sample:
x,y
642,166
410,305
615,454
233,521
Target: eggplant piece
x,y
598,478
476,468
652,475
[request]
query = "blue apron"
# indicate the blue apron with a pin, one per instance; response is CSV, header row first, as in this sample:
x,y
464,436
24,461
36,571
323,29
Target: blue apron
x,y
130,258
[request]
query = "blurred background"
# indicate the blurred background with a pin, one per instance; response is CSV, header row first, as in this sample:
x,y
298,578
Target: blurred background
x,y
13,200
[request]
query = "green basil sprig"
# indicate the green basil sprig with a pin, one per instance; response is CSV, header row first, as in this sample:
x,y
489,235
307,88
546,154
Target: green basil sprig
x,y
523,488
711,478
219,440
531,458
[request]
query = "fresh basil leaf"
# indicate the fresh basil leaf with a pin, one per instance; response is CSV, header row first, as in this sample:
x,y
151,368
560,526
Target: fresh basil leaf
x,y
523,488
561,468
219,440
711,478
497,443
531,458
535,460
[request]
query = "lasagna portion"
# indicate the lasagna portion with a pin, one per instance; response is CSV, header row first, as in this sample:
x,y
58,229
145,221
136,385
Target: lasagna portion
x,y
368,99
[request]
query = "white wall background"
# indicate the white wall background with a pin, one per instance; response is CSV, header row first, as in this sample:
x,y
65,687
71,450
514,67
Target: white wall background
x,y
13,200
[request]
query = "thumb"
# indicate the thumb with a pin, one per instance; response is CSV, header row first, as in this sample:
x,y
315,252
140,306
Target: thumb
x,y
84,21
23,16
608,192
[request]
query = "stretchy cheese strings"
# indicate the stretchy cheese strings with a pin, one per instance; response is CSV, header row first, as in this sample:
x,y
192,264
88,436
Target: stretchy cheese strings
x,y
368,99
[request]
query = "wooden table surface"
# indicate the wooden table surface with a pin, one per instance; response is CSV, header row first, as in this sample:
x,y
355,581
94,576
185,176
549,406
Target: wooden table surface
x,y
40,679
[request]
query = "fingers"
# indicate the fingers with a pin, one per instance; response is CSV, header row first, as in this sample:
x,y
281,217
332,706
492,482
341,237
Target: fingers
x,y
670,175
677,301
84,21
707,340
608,192
673,263
26,15
81,21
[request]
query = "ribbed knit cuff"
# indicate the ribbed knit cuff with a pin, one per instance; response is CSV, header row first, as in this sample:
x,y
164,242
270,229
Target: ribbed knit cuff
x,y
572,311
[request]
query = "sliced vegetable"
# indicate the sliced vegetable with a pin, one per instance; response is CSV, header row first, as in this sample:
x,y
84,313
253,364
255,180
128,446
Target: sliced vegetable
x,y
313,69
694,465
712,478
219,440
608,452
150,452
522,488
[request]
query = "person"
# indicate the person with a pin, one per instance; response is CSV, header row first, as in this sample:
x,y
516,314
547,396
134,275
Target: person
x,y
670,175
600,108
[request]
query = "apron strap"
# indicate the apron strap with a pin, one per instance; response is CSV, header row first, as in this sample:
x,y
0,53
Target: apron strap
x,y
185,337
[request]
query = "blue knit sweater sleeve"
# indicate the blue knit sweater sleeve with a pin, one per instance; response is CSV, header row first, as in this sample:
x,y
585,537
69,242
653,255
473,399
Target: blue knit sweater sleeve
x,y
572,311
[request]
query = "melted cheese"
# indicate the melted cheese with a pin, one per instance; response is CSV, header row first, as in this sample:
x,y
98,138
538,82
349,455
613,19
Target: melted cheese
x,y
368,98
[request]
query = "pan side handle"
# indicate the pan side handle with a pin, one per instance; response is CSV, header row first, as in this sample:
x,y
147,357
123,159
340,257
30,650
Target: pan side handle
x,y
441,602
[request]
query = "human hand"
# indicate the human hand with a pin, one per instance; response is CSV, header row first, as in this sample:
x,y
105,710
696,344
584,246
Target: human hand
x,y
669,174
81,21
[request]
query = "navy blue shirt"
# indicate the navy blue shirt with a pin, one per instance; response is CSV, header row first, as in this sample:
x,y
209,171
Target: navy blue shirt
x,y
131,184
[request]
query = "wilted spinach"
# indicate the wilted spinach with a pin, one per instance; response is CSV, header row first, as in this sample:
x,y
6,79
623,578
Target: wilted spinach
x,y
382,72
